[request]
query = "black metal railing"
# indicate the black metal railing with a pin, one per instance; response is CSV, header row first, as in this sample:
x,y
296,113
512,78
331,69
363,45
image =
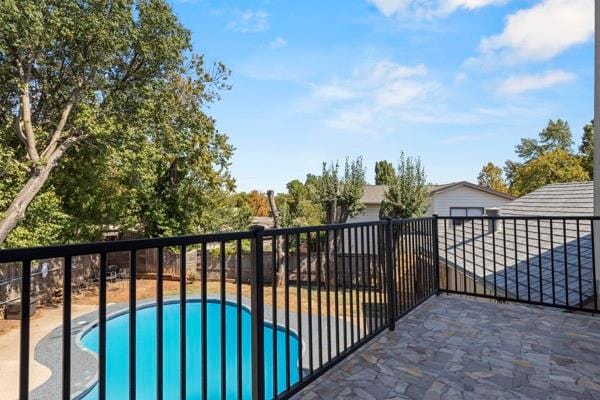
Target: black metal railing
x,y
538,260
314,295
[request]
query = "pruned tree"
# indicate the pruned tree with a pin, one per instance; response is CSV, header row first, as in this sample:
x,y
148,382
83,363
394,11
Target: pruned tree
x,y
340,195
276,215
384,172
586,149
407,195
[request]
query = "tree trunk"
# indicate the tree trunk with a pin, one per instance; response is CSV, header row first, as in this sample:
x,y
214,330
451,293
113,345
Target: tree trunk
x,y
281,271
16,211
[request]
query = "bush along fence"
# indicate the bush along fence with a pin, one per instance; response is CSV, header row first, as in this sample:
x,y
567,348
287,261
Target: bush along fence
x,y
314,294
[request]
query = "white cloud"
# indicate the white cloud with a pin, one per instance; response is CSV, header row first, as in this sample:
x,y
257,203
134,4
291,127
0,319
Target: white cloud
x,y
373,96
524,83
278,42
541,32
250,22
429,8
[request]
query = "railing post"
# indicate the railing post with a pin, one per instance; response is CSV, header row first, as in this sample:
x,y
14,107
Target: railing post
x,y
257,308
436,254
389,261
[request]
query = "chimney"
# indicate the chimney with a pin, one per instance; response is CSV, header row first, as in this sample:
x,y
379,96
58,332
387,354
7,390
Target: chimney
x,y
492,223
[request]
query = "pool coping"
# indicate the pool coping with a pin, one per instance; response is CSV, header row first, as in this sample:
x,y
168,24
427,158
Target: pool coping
x,y
85,376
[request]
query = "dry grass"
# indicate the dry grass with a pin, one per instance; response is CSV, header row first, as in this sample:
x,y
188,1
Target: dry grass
x,y
146,290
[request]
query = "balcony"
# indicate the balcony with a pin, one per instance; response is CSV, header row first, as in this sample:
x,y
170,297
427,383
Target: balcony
x,y
464,348
437,307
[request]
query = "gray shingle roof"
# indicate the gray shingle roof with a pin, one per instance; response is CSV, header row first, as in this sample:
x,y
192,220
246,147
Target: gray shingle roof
x,y
373,194
560,199
518,252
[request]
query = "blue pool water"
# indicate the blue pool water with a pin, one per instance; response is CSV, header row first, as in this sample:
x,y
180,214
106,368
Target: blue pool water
x,y
117,350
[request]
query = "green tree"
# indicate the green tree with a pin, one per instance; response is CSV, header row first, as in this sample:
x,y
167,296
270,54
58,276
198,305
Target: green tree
x,y
45,221
407,195
556,135
110,91
550,159
586,149
384,172
300,205
554,166
491,177
339,195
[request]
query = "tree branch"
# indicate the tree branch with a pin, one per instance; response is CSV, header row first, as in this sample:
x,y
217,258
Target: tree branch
x,y
27,125
59,129
18,127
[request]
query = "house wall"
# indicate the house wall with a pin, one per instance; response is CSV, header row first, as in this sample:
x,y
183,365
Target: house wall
x,y
463,197
371,213
354,245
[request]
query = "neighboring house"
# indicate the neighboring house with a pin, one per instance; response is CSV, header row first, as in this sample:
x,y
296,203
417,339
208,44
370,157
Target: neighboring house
x,y
514,253
371,198
464,198
452,199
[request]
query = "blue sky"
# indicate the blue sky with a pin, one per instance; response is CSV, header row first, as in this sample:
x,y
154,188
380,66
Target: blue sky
x,y
455,82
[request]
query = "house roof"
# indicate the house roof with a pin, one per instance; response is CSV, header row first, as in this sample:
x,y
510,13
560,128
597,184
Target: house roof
x,y
517,245
518,252
442,188
375,194
559,199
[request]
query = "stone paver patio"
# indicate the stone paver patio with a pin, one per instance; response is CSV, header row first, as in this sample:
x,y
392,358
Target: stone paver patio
x,y
457,348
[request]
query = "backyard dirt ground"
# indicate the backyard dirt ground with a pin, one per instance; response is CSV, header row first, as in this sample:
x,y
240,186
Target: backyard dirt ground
x,y
49,317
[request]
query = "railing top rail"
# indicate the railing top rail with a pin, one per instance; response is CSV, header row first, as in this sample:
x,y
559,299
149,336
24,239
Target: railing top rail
x,y
70,250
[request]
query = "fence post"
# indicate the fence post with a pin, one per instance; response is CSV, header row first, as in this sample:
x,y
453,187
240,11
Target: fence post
x,y
389,250
257,309
436,254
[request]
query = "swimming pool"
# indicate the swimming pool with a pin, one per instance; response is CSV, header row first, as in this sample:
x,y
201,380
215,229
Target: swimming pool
x,y
117,351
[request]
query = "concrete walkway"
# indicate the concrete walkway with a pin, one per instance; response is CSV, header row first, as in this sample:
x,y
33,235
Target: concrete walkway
x,y
457,348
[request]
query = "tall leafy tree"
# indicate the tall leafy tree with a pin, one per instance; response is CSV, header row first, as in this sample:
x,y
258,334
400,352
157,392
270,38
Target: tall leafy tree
x,y
556,135
109,91
492,178
340,195
549,159
407,195
554,166
586,149
384,172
